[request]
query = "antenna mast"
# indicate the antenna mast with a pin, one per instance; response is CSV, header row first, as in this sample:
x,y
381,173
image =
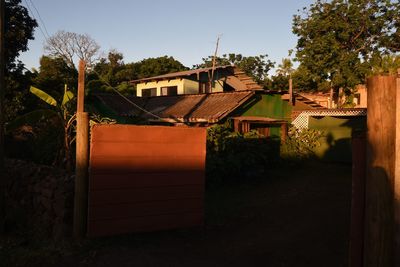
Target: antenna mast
x,y
214,61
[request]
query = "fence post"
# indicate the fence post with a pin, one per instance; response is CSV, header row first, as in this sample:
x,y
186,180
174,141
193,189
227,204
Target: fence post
x,y
82,160
358,198
382,174
397,175
3,180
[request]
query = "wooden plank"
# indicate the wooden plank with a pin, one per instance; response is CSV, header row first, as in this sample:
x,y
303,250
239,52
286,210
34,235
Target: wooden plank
x,y
146,164
124,149
147,194
147,134
144,224
134,180
381,148
133,210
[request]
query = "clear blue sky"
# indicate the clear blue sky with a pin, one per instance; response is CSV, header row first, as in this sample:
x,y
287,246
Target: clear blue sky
x,y
184,29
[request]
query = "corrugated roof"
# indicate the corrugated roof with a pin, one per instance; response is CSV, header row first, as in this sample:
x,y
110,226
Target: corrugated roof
x,y
181,74
208,108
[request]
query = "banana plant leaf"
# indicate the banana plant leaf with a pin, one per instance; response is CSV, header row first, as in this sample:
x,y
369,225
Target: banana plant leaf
x,y
43,95
30,118
68,95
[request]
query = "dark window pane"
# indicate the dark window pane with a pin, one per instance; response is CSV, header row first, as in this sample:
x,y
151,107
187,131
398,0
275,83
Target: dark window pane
x,y
149,92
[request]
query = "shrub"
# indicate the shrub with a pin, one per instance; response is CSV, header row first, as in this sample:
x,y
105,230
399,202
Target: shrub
x,y
301,143
233,156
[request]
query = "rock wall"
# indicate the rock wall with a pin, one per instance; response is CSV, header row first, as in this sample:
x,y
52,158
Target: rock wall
x,y
39,199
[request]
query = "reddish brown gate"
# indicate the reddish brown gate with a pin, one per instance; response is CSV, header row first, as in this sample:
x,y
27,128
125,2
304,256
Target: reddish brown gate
x,y
145,178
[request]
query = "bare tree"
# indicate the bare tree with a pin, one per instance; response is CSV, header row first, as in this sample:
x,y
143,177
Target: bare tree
x,y
70,45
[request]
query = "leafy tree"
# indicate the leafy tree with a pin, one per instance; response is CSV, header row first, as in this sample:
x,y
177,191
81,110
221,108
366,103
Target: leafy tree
x,y
277,82
158,66
285,68
53,74
339,39
386,64
19,28
254,66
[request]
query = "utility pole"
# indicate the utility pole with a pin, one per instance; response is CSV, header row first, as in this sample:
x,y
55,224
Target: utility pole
x,y
2,91
214,61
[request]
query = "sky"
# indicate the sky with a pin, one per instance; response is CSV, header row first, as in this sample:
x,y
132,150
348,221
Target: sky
x,y
184,29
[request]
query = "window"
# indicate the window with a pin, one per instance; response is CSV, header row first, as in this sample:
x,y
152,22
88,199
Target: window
x,y
204,87
170,90
149,92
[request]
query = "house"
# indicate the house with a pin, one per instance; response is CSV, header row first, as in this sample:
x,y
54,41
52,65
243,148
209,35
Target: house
x,y
359,98
265,111
199,81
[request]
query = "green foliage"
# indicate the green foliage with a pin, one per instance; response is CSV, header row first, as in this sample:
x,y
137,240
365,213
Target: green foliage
x,y
43,96
232,156
53,74
254,66
112,73
19,27
387,64
158,66
301,143
57,118
340,39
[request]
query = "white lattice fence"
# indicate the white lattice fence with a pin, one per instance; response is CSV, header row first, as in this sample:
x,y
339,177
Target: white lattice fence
x,y
301,121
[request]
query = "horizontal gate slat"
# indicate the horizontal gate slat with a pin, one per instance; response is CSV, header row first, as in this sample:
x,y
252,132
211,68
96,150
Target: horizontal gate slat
x,y
140,149
148,134
132,210
144,224
145,194
138,180
145,164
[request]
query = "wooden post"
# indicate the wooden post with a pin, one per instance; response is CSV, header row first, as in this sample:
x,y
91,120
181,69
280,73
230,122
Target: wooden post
x,y
3,180
383,135
82,160
291,91
397,175
81,86
284,132
358,199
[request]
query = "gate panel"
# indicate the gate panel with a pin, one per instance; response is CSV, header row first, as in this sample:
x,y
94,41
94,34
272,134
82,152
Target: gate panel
x,y
145,178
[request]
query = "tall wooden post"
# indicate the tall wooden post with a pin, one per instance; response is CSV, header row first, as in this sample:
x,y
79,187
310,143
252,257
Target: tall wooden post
x,y
2,90
382,184
397,175
82,160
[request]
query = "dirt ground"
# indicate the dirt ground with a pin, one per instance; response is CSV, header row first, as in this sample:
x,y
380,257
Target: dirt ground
x,y
294,216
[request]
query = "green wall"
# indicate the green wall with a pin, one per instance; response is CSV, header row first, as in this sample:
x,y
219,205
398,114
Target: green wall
x,y
267,105
336,141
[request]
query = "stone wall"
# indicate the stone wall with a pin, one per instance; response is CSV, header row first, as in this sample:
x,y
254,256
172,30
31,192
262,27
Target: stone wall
x,y
39,199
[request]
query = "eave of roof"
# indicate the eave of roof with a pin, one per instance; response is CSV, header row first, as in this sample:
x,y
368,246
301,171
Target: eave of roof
x,y
179,74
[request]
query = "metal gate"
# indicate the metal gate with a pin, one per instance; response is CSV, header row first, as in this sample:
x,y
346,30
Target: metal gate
x,y
145,178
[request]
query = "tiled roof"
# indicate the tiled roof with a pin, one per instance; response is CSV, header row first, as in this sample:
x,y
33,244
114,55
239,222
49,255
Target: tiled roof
x,y
208,108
